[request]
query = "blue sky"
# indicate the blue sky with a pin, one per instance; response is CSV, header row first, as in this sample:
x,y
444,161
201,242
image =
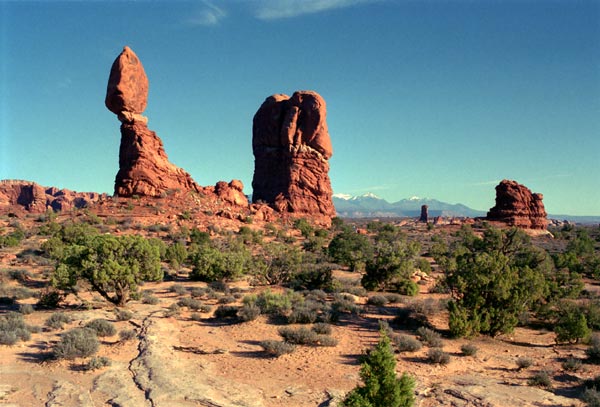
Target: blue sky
x,y
439,99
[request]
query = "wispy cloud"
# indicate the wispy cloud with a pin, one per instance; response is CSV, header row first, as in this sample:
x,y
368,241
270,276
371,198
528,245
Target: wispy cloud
x,y
208,15
277,9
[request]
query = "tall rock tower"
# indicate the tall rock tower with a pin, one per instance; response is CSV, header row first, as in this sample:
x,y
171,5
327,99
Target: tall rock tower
x,y
291,146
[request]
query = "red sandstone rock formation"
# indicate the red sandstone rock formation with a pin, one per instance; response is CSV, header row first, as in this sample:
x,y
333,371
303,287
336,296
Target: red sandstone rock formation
x,y
292,147
517,206
144,168
38,199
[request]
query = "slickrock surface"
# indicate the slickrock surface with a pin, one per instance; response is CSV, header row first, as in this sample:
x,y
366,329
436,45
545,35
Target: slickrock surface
x,y
292,148
517,206
144,168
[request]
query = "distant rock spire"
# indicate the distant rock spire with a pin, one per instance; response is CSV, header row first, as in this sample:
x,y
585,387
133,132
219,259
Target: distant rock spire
x,y
424,214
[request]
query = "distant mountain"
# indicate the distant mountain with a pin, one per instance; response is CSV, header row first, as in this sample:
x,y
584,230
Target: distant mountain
x,y
371,206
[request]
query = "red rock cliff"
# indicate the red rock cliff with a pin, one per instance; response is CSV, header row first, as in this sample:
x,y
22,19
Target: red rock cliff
x,y
291,146
517,206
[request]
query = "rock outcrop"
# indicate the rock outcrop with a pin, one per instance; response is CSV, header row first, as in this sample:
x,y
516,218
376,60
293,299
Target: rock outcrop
x,y
144,168
517,206
35,198
291,146
424,214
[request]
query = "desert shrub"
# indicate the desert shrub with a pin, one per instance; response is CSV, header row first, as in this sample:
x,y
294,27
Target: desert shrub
x,y
149,298
378,300
326,340
190,303
57,320
298,336
591,397
50,299
426,307
276,348
571,325
571,364
172,311
345,303
102,327
76,343
178,289
96,363
249,312
395,298
593,351
469,349
524,363
541,379
226,299
313,276
127,335
430,337
303,314
20,275
13,329
176,254
423,265
438,356
205,308
26,309
123,314
405,343
381,386
226,311
113,265
271,303
322,328
195,316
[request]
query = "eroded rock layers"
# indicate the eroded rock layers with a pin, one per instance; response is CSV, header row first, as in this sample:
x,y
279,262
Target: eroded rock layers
x,y
144,168
517,206
292,147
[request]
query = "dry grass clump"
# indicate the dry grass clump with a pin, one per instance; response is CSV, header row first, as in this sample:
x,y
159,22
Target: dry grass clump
x,y
277,348
13,329
102,327
57,320
524,363
305,336
430,337
438,356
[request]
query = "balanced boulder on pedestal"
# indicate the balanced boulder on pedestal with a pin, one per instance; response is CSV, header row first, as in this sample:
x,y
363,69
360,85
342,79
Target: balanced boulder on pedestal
x,y
144,168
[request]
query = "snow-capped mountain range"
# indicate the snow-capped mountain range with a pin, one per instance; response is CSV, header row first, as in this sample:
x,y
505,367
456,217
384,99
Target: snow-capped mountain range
x,y
370,205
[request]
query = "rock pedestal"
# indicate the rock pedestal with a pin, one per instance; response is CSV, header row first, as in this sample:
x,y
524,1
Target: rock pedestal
x,y
291,146
517,206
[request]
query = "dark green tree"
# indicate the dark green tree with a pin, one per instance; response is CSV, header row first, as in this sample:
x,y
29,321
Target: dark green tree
x,y
113,265
493,280
350,249
381,386
391,266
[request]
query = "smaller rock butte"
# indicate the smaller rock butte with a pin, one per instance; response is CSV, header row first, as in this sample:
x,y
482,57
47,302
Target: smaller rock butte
x,y
517,206
144,168
291,146
35,198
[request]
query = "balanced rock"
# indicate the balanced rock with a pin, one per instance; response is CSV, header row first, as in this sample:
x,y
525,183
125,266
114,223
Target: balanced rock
x,y
144,168
292,147
517,206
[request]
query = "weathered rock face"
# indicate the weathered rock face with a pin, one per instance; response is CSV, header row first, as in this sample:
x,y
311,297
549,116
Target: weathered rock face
x,y
232,192
424,214
292,147
144,168
517,206
35,198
